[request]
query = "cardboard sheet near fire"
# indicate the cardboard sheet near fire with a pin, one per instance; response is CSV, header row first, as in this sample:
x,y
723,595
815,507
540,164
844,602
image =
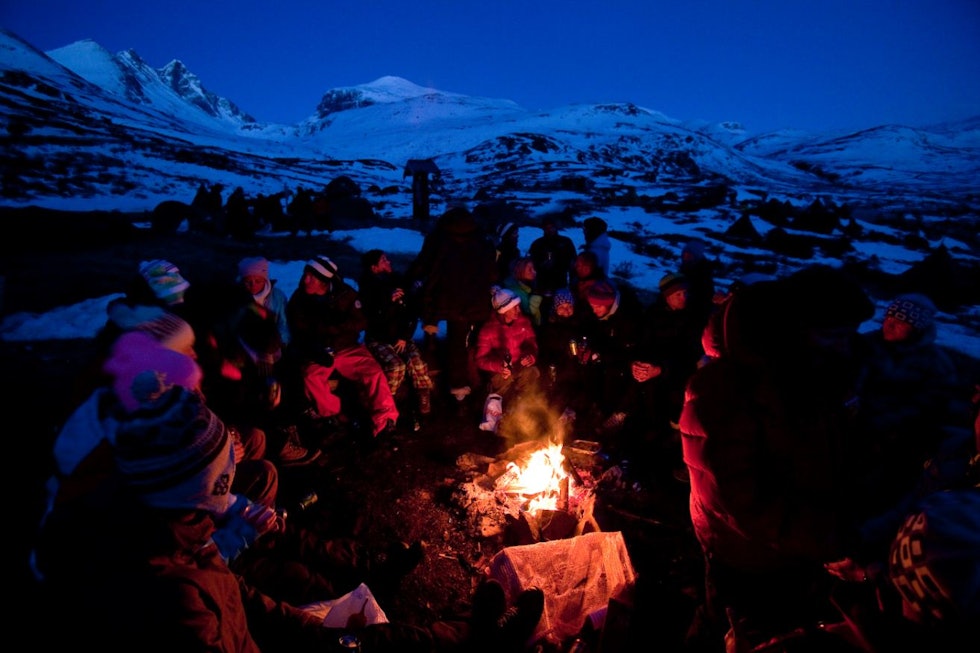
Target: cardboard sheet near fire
x,y
579,576
540,496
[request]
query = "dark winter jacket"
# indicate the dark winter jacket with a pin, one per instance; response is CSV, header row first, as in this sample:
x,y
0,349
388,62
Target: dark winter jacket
x,y
768,433
333,320
616,337
458,268
387,321
552,256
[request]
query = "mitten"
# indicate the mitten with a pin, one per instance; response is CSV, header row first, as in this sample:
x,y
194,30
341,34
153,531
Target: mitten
x,y
235,534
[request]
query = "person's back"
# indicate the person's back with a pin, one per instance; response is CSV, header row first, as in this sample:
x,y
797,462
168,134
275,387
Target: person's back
x,y
768,439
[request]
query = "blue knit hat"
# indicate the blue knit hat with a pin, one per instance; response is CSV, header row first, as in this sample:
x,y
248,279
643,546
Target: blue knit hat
x,y
562,297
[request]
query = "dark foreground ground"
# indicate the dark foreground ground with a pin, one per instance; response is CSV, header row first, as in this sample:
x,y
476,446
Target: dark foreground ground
x,y
404,488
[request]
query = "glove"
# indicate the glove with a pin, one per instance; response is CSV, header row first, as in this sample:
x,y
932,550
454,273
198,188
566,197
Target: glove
x,y
236,534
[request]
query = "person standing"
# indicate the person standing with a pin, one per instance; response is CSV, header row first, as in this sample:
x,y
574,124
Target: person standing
x,y
508,248
596,235
456,268
553,254
768,433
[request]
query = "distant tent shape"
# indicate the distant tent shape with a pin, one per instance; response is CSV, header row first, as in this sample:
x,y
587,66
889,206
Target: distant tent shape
x,y
743,230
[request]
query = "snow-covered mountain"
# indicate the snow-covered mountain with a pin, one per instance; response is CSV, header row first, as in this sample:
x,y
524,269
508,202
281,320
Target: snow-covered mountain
x,y
84,128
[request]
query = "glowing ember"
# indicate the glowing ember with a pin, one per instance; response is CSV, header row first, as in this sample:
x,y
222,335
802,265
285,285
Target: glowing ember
x,y
540,479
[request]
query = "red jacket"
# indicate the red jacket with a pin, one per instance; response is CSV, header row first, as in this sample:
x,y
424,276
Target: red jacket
x,y
495,339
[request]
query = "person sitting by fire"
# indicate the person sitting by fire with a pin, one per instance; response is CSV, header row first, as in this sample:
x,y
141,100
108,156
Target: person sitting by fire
x,y
564,374
325,322
152,562
612,327
392,314
507,356
522,281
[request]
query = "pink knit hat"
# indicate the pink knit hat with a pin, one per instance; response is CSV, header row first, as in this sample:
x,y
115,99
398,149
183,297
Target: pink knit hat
x,y
142,369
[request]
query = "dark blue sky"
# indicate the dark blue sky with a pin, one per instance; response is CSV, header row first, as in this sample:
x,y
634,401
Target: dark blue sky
x,y
769,64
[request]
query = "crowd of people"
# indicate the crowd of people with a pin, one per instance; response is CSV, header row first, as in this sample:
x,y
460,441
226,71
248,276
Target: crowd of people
x,y
817,457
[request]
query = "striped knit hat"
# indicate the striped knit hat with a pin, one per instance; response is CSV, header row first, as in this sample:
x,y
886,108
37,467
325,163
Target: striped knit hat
x,y
175,453
322,267
165,280
504,299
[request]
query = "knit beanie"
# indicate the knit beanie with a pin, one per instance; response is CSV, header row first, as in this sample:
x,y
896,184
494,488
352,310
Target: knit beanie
x,y
934,560
143,369
256,266
322,267
503,230
562,297
504,299
170,330
671,283
914,309
175,453
602,293
164,280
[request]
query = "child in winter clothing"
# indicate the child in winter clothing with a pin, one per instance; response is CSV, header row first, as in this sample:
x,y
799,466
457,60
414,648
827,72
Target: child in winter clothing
x,y
507,353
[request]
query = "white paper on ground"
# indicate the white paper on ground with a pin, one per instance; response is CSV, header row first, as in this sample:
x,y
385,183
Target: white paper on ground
x,y
336,612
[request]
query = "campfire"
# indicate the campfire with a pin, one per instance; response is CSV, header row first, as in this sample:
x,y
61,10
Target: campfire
x,y
541,480
538,490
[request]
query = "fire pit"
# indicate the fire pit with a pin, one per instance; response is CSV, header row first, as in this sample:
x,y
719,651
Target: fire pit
x,y
535,491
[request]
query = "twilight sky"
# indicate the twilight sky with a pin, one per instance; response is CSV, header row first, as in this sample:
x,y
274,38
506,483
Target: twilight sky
x,y
768,64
